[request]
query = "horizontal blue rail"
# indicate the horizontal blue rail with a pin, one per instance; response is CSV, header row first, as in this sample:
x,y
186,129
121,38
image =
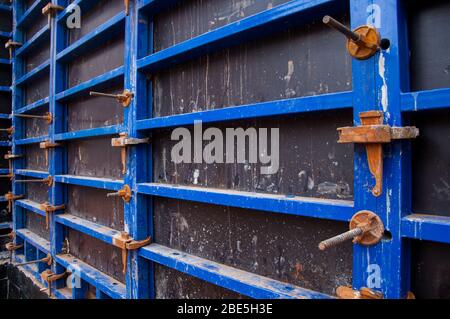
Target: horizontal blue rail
x,y
339,210
4,171
426,227
6,225
98,131
31,13
100,35
282,107
30,206
95,182
232,34
5,143
240,281
5,61
37,241
31,173
31,140
94,83
425,100
92,229
5,89
44,67
33,106
5,34
5,116
5,7
39,37
101,281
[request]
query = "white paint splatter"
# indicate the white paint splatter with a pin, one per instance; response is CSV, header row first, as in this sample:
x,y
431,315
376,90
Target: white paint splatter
x,y
196,175
384,89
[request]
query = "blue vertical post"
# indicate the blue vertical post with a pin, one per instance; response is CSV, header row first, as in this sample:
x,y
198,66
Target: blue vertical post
x,y
376,86
17,99
56,156
137,217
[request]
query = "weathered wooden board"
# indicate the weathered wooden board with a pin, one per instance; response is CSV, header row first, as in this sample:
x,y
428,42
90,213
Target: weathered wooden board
x,y
36,223
278,246
93,205
35,158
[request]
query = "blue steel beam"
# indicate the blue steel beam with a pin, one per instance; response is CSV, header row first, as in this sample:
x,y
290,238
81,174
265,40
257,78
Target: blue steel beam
x,y
240,281
324,102
4,34
340,210
30,206
5,7
30,14
93,132
94,83
426,227
5,88
33,106
5,116
37,241
102,183
31,140
31,173
5,144
93,39
271,20
426,100
39,70
105,283
6,225
39,37
5,61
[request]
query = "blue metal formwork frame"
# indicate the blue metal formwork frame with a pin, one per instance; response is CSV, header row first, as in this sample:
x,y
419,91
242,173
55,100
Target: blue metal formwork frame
x,y
379,83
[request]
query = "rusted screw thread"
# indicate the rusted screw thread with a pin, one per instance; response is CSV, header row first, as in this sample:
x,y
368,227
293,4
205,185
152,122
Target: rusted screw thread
x,y
103,94
339,239
329,21
113,194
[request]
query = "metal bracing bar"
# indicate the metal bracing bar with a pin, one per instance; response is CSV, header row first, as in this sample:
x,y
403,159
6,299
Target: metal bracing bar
x,y
33,11
103,183
426,227
98,131
302,206
33,106
240,281
37,241
44,67
425,100
39,37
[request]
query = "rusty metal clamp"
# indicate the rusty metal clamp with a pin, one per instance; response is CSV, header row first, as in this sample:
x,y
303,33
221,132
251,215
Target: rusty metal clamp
x,y
48,180
125,193
48,208
123,141
50,10
47,259
9,130
11,246
344,292
123,98
373,134
127,6
366,228
10,197
46,145
49,276
11,45
125,242
48,117
362,43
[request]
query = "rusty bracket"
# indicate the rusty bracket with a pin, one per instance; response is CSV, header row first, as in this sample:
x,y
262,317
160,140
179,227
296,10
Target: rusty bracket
x,y
48,117
9,130
125,193
49,276
10,156
344,292
11,45
46,145
50,10
127,6
373,134
48,208
11,247
125,242
123,141
10,197
47,259
48,181
362,42
124,98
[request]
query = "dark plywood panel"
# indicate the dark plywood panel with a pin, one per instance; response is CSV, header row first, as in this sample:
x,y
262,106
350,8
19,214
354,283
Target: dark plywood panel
x,y
35,158
97,62
38,23
90,112
191,18
6,21
98,14
93,205
37,89
36,192
35,127
429,27
5,216
36,223
37,57
3,161
431,163
278,246
430,265
4,135
5,75
102,256
5,104
4,53
311,163
172,284
94,157
304,61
